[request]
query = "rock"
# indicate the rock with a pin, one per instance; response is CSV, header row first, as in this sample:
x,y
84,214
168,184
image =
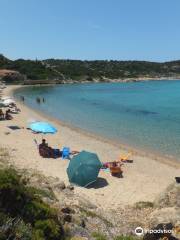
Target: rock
x,y
67,210
165,215
59,186
70,187
170,197
83,224
67,218
68,193
161,231
78,220
86,203
176,230
48,200
79,232
52,180
11,76
163,219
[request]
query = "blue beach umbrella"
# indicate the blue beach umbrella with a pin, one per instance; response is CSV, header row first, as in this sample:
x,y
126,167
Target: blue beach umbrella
x,y
84,168
42,127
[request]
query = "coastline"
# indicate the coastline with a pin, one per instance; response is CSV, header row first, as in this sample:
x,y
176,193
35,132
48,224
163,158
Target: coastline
x,y
143,180
95,80
171,161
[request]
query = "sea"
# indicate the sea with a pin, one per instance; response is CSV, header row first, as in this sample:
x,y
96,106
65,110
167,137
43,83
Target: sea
x,y
143,115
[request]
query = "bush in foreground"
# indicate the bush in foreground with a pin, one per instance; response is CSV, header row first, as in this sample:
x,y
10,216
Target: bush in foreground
x,y
23,215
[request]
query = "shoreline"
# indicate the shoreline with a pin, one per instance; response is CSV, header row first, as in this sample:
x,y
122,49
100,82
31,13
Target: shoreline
x,y
171,161
95,80
143,180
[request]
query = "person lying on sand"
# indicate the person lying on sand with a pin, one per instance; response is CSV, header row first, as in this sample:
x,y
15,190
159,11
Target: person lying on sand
x,y
114,167
1,114
45,150
112,164
8,115
13,108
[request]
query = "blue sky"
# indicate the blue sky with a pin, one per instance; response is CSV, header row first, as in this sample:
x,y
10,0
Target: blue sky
x,y
90,29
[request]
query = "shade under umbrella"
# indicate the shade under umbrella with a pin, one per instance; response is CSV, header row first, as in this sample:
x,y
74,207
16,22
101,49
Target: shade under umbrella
x,y
42,127
84,168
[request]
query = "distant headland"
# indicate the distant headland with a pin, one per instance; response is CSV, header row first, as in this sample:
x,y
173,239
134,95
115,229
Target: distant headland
x,y
59,71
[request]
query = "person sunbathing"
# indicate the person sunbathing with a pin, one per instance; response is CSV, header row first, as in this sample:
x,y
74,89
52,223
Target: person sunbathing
x,y
1,114
8,115
112,164
43,144
46,151
49,152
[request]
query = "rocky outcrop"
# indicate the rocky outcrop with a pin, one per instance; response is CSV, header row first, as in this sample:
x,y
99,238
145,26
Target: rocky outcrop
x,y
166,215
11,76
169,198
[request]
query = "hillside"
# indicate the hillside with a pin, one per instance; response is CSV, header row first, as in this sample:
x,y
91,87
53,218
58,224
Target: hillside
x,y
61,71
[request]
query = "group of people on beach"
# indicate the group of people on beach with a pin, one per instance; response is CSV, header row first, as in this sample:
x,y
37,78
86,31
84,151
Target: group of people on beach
x,y
115,167
38,99
11,110
6,115
46,151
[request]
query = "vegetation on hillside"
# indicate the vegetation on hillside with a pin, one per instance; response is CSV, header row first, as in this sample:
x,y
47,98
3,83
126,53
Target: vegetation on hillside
x,y
23,215
57,69
32,69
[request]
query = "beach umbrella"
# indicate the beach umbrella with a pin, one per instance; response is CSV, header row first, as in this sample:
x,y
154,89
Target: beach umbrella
x,y
6,97
8,101
42,127
84,168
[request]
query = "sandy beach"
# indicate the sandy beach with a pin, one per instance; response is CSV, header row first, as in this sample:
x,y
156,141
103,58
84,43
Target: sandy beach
x,y
142,180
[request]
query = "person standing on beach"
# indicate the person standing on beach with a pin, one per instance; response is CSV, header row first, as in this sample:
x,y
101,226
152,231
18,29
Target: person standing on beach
x,y
38,100
22,98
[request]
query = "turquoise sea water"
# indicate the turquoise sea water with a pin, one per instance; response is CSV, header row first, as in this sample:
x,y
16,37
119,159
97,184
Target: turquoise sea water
x,y
145,115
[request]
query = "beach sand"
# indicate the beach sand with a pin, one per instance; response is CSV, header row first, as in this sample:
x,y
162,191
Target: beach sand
x,y
142,180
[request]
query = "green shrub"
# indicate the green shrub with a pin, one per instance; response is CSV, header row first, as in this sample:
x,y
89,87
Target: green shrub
x,y
37,210
15,228
99,236
126,238
23,214
38,235
50,229
41,192
12,192
140,205
22,231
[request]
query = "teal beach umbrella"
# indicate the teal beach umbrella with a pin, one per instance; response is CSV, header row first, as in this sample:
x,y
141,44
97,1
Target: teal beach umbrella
x,y
43,127
84,168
